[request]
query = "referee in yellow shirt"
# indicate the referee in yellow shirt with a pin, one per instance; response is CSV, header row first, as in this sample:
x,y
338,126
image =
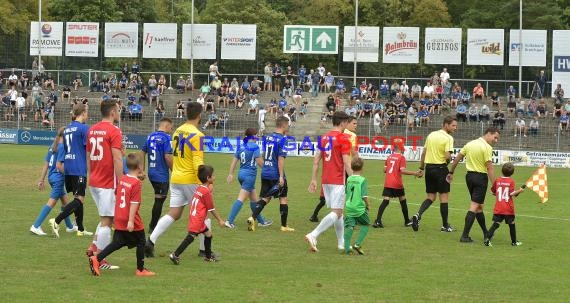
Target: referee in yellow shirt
x,y
479,165
435,157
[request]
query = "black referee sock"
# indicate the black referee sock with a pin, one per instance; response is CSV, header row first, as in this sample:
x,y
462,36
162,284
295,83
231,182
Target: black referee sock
x,y
481,220
67,210
79,217
444,211
258,208
381,209
156,211
469,220
284,211
404,205
184,244
513,232
425,205
491,232
322,203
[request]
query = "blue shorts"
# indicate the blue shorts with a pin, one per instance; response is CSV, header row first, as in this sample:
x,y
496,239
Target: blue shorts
x,y
57,189
247,181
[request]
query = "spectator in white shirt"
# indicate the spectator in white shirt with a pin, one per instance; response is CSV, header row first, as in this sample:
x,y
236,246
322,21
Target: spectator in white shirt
x,y
533,127
444,76
21,107
484,114
520,127
428,90
404,89
253,105
261,120
377,122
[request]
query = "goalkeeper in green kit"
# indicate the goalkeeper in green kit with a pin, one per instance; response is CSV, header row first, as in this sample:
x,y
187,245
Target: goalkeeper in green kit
x,y
356,208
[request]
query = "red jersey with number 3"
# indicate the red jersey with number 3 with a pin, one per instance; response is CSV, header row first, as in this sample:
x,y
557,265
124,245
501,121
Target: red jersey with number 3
x,y
334,145
128,195
393,167
202,202
504,202
101,139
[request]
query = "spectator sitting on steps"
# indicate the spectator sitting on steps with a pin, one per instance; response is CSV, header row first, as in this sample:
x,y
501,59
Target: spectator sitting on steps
x,y
499,119
212,120
461,112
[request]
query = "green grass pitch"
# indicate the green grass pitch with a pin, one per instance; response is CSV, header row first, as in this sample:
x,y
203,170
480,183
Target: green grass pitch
x,y
270,266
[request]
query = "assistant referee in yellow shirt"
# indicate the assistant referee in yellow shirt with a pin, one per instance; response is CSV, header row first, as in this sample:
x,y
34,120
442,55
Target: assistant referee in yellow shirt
x,y
479,165
435,157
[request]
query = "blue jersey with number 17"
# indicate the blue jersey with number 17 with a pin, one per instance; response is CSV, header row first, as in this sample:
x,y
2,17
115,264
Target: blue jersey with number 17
x,y
74,142
156,146
273,149
246,156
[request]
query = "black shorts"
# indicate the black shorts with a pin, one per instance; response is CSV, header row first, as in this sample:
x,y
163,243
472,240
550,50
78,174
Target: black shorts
x,y
160,188
393,192
269,189
129,239
509,219
477,186
76,185
435,176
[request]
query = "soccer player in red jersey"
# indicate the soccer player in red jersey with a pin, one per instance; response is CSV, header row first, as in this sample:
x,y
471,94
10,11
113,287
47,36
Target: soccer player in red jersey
x,y
504,191
201,204
105,164
129,228
334,150
394,168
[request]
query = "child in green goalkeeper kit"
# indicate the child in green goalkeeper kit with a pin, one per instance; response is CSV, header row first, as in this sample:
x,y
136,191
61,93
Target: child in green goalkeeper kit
x,y
356,207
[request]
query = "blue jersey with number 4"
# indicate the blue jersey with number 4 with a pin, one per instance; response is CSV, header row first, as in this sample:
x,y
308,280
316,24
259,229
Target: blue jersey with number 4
x,y
52,158
273,149
246,156
75,141
156,146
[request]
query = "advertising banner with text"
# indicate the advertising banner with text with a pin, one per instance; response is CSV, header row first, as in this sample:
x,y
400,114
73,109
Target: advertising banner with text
x,y
442,46
202,41
239,41
561,60
160,40
82,39
367,44
51,41
121,40
533,47
401,45
485,46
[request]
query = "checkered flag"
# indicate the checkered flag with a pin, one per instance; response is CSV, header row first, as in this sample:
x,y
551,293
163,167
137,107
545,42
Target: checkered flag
x,y
538,183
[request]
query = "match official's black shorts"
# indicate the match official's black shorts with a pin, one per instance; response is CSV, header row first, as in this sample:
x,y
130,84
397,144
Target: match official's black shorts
x,y
477,186
160,188
435,175
270,188
76,185
393,192
509,219
129,239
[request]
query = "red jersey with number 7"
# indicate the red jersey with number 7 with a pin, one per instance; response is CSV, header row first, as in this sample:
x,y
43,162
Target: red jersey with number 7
x,y
101,139
503,187
128,195
393,167
333,146
202,202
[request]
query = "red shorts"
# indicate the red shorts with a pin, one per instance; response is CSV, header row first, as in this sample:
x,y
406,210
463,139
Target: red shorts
x,y
197,225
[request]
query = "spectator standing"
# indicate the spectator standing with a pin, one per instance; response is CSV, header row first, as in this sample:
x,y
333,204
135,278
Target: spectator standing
x,y
267,72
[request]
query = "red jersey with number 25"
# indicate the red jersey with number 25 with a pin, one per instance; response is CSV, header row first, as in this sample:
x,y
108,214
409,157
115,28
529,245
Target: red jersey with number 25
x,y
128,195
334,145
101,139
202,202
393,167
504,202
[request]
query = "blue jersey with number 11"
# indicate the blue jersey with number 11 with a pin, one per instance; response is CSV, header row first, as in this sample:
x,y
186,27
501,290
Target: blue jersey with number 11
x,y
273,149
74,142
156,146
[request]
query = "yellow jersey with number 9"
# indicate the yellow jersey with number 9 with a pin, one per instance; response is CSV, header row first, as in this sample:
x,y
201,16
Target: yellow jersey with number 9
x,y
187,154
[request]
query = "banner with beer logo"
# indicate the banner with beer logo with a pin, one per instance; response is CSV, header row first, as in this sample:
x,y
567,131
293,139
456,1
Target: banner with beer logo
x,y
533,47
199,41
401,45
561,60
160,40
485,46
121,40
367,42
46,39
82,39
239,41
442,46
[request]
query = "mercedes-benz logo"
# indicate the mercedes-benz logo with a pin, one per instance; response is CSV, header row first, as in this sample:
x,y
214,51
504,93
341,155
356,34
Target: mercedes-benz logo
x,y
25,136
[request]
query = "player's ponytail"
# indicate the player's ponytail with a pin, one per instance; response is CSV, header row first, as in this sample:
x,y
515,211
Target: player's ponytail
x,y
58,137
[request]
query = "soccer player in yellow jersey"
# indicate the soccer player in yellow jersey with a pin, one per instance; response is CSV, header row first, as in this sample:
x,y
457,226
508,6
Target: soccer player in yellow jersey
x,y
435,157
187,156
480,171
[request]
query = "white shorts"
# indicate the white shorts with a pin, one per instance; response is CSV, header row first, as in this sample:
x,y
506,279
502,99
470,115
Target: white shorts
x,y
181,194
104,200
334,195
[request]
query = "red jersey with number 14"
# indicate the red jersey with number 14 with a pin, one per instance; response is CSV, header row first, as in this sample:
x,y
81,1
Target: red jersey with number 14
x,y
504,202
334,145
202,202
128,195
393,167
101,139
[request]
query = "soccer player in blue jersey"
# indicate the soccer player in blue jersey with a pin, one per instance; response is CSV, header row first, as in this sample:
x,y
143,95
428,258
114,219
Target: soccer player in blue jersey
x,y
53,168
249,158
158,151
273,181
75,167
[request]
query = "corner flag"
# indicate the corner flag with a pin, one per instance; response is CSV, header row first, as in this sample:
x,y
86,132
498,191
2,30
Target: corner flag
x,y
538,183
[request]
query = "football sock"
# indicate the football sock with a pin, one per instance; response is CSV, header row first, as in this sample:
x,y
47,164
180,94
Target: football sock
x,y
404,206
258,208
208,223
104,237
79,217
492,230
140,255
67,221
162,225
96,233
236,207
259,217
67,210
444,211
362,234
381,209
44,212
469,220
325,224
187,241
208,246
425,205
513,232
156,212
347,238
339,229
284,212
113,246
320,205
481,220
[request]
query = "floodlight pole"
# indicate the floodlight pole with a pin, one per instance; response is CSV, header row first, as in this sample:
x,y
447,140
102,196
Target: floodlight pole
x,y
39,36
192,45
520,49
355,51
